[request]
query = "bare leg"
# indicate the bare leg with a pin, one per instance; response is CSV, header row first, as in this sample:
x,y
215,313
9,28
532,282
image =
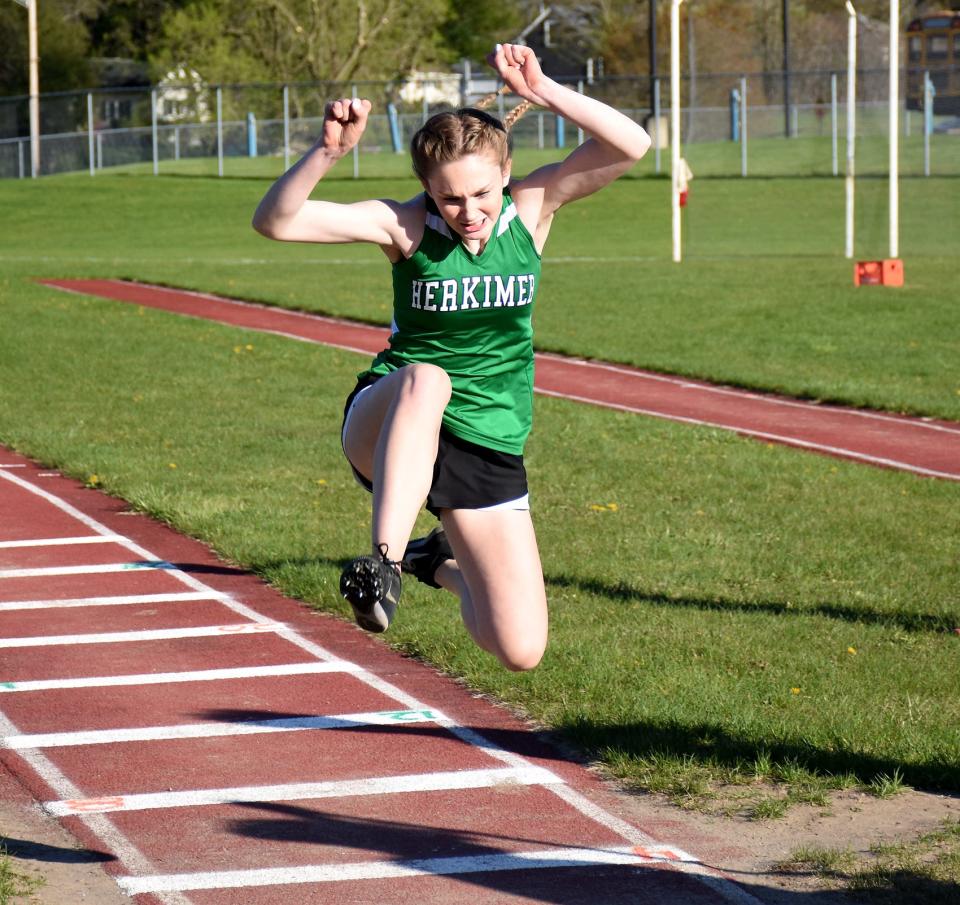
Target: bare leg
x,y
391,438
499,580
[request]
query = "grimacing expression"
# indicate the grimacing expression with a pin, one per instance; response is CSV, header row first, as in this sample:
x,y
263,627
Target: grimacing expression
x,y
469,194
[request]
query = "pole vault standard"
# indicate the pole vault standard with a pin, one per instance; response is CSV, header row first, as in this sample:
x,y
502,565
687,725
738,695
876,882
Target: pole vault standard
x,y
675,124
893,127
851,121
34,57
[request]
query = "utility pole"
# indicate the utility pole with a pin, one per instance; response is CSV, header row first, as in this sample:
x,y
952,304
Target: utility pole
x,y
786,68
34,58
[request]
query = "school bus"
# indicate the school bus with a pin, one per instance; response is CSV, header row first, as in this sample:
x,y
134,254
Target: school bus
x,y
933,45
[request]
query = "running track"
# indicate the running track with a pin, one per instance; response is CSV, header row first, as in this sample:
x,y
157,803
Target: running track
x,y
220,744
919,445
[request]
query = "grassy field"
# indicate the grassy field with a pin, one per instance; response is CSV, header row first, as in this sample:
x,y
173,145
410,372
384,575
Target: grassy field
x,y
742,613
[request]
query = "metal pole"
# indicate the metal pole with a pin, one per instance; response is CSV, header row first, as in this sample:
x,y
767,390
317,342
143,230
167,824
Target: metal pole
x,y
656,124
34,57
356,147
894,131
90,157
219,131
851,125
20,157
833,124
675,126
153,132
652,38
286,128
743,126
927,120
786,68
579,130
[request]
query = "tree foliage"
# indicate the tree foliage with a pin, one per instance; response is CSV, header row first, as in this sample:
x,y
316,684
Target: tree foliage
x,y
301,40
63,52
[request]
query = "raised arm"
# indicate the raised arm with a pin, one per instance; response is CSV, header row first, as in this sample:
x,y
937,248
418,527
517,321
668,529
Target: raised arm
x,y
616,142
286,213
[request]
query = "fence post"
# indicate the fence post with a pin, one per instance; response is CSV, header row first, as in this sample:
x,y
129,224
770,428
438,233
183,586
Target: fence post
x,y
99,151
579,130
20,157
286,127
394,121
176,142
656,124
251,134
356,147
219,130
540,131
743,126
559,127
928,94
833,124
90,133
153,131
734,115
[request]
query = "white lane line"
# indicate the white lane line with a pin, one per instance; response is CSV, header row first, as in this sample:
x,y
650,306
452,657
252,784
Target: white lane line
x,y
132,859
160,634
762,435
128,852
543,859
693,384
12,466
211,730
199,675
51,571
62,541
122,600
302,791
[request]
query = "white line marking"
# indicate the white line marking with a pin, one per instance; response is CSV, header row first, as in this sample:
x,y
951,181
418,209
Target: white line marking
x,y
544,859
131,855
160,634
200,675
102,827
13,466
213,730
108,601
58,541
374,785
693,384
762,435
49,571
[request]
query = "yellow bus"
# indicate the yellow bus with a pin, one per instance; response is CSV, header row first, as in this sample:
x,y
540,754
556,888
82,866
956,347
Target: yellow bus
x,y
933,45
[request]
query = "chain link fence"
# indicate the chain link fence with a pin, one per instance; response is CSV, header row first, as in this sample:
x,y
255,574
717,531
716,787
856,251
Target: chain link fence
x,y
721,112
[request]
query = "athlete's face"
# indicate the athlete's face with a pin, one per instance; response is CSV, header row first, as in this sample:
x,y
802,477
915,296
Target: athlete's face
x,y
469,193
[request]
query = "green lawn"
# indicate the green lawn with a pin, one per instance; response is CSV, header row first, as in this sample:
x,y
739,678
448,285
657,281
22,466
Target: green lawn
x,y
744,611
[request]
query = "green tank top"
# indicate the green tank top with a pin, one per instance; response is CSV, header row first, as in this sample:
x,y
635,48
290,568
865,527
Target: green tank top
x,y
471,315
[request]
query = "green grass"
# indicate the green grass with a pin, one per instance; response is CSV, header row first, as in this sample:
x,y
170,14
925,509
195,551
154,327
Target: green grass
x,y
701,628
924,871
14,885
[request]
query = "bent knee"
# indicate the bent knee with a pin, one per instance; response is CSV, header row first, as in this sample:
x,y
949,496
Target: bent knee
x,y
424,380
522,657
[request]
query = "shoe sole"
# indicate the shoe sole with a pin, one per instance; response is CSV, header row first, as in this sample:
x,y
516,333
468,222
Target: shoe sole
x,y
361,584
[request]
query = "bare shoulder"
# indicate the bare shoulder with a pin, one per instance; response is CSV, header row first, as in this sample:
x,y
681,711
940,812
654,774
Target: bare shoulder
x,y
529,195
410,220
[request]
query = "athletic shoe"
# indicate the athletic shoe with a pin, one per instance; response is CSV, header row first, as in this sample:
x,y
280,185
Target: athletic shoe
x,y
425,555
371,585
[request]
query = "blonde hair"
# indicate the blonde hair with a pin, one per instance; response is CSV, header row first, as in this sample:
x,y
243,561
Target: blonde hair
x,y
470,130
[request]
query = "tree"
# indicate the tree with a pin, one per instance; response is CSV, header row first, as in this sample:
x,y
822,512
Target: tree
x,y
471,28
301,40
64,46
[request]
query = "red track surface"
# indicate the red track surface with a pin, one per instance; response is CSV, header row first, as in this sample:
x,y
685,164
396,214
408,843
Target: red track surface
x,y
919,445
74,659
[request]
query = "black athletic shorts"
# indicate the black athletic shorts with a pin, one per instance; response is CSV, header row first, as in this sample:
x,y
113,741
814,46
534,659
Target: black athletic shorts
x,y
465,475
